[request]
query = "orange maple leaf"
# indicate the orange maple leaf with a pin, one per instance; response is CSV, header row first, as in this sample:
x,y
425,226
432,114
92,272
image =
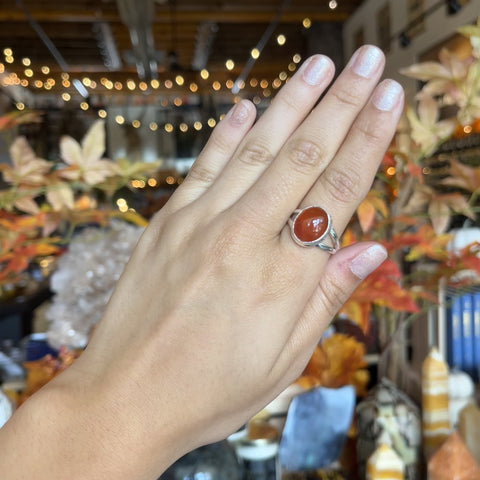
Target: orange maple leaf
x,y
335,363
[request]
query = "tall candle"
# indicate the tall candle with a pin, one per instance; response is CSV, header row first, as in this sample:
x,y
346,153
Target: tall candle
x,y
385,464
435,419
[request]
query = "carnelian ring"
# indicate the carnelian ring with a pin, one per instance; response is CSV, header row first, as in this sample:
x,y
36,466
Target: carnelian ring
x,y
310,226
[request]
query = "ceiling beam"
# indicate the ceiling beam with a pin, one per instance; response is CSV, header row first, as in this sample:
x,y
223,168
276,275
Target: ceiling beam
x,y
237,16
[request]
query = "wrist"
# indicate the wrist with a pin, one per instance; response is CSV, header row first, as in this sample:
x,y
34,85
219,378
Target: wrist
x,y
71,426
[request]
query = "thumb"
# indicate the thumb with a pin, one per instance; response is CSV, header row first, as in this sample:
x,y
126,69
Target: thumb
x,y
343,273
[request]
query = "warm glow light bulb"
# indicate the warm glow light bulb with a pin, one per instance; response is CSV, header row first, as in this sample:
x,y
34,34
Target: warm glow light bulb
x,y
230,64
204,74
255,53
281,39
307,23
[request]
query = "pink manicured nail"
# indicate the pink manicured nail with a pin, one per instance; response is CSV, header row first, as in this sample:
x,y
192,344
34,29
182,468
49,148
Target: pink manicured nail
x,y
367,261
239,113
366,61
315,69
387,95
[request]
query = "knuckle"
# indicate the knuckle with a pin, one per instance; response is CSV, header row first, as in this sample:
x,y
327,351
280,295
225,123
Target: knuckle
x,y
201,174
289,101
344,186
305,154
256,153
371,134
347,98
220,143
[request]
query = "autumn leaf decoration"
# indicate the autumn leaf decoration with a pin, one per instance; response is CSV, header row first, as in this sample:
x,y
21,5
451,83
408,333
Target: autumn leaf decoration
x,y
85,160
337,361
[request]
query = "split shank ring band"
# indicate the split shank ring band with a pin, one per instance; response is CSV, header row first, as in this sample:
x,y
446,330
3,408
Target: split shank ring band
x,y
311,226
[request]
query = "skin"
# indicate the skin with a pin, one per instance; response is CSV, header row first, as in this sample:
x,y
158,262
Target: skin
x,y
218,309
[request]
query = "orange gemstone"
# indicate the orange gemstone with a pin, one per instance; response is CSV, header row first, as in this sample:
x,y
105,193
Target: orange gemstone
x,y
310,224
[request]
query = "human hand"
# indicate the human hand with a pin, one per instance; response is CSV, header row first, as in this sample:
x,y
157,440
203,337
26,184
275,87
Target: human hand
x,y
219,309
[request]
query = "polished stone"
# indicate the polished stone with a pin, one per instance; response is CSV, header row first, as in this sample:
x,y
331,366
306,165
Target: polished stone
x,y
311,224
469,430
316,428
452,461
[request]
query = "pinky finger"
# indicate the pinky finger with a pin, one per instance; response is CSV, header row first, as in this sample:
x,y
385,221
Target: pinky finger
x,y
215,155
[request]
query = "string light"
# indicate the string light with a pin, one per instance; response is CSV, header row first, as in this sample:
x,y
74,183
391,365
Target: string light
x,y
84,105
179,80
204,74
136,124
26,62
102,113
211,122
119,119
66,97
255,53
230,64
45,70
153,126
307,23
281,39
332,4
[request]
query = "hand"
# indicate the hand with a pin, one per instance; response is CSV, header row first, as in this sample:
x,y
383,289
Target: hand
x,y
218,309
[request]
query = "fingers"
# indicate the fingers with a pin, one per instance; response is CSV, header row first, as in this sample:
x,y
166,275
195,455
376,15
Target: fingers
x,y
309,151
218,151
263,142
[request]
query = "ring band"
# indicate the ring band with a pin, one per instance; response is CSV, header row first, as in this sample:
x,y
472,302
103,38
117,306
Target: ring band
x,y
310,226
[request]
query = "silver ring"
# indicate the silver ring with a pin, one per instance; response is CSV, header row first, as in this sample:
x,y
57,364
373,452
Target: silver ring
x,y
311,226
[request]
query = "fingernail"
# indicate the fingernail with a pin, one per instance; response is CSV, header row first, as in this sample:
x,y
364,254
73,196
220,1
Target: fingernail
x,y
366,61
387,95
367,261
239,113
314,69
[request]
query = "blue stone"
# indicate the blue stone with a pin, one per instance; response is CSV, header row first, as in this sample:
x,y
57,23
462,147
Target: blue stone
x,y
316,428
